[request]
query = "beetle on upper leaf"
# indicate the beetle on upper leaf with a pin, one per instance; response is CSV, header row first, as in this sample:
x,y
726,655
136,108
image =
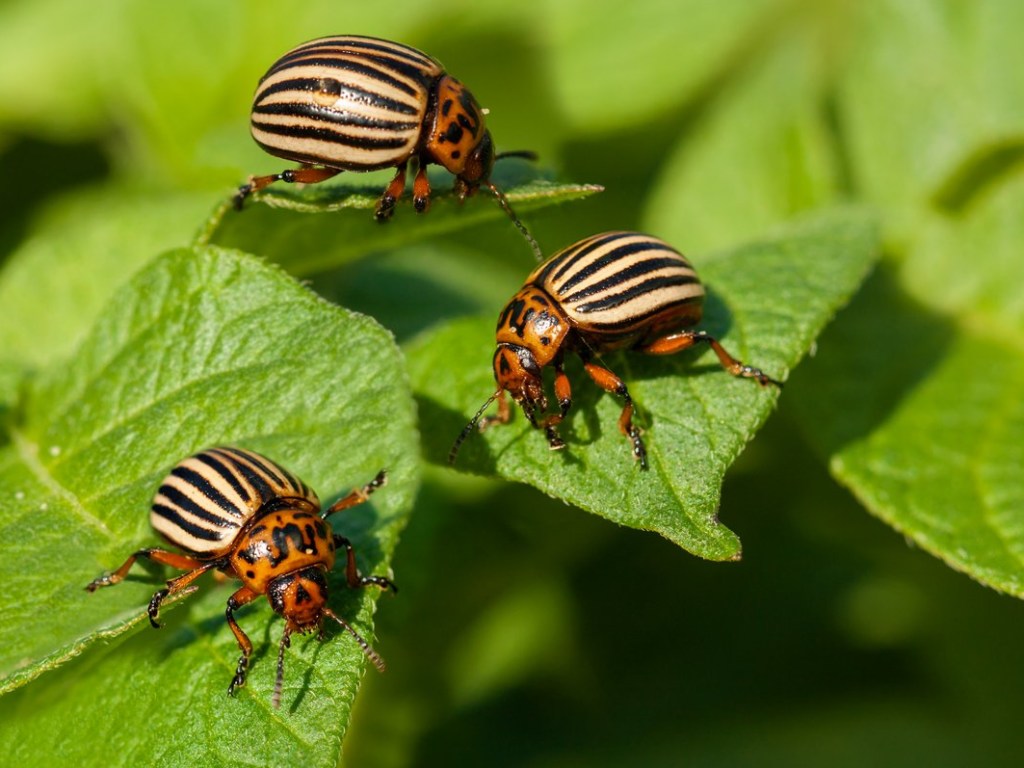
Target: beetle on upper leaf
x,y
353,103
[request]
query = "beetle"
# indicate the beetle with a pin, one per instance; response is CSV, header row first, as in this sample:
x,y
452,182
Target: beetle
x,y
611,291
233,510
353,103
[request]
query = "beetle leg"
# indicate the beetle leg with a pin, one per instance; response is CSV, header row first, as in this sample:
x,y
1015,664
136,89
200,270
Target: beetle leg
x,y
501,417
173,559
241,597
359,495
352,575
676,342
609,382
194,567
386,204
563,393
421,190
176,585
305,175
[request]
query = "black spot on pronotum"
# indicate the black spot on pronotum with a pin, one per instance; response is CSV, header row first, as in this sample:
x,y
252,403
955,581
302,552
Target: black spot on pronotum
x,y
453,133
301,595
470,116
446,107
285,537
250,574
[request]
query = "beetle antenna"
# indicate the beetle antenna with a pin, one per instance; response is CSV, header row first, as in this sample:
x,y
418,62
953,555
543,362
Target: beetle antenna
x,y
285,643
503,202
371,654
469,428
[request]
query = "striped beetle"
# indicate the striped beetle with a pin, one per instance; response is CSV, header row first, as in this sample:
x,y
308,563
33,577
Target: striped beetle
x,y
239,512
616,290
351,103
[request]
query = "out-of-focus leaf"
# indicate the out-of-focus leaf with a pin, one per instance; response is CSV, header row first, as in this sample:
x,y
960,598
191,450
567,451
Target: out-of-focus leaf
x,y
617,69
970,264
763,154
918,404
956,97
79,252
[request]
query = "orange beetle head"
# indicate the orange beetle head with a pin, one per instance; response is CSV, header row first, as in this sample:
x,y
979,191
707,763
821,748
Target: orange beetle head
x,y
300,596
477,171
517,371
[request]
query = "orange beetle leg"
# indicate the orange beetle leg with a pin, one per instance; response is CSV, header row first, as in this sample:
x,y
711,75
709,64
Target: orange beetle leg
x,y
563,393
305,175
609,382
236,601
421,190
501,417
386,205
676,342
358,495
352,575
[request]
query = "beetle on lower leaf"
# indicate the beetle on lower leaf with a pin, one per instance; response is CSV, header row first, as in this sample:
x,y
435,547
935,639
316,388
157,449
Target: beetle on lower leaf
x,y
353,103
616,290
238,512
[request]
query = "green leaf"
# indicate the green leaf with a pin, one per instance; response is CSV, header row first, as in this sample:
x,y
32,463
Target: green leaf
x,y
730,178
915,400
916,397
651,58
968,263
80,250
905,144
768,303
203,347
290,227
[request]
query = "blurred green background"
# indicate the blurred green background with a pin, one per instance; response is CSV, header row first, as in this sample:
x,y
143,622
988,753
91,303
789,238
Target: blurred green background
x,y
528,632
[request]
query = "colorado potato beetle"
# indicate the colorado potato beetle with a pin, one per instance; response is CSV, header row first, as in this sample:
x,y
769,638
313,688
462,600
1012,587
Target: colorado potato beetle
x,y
238,512
616,290
352,103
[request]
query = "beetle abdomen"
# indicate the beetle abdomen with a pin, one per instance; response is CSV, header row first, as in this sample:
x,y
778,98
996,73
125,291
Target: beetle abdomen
x,y
207,498
618,285
356,103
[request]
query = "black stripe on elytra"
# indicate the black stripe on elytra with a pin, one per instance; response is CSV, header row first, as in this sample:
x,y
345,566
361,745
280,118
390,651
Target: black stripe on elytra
x,y
205,513
274,473
632,323
197,531
335,117
374,69
202,483
330,136
620,253
648,286
631,270
259,482
348,91
347,44
215,462
573,254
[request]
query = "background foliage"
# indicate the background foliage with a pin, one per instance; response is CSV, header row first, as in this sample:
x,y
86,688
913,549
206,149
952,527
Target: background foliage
x,y
528,632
